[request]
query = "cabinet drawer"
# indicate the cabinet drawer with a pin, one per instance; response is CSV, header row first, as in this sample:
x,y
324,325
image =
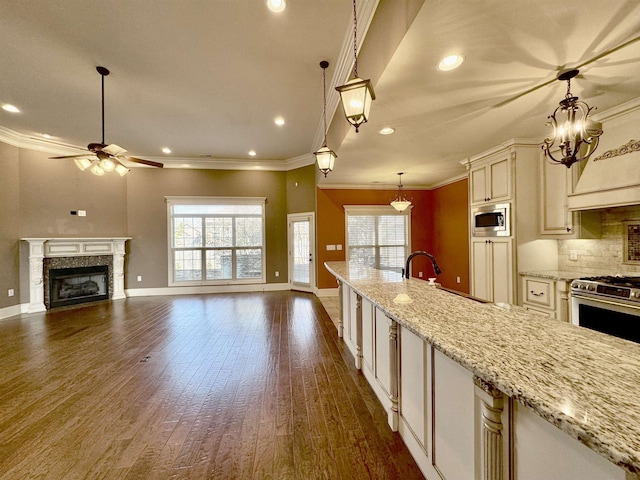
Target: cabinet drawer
x,y
539,292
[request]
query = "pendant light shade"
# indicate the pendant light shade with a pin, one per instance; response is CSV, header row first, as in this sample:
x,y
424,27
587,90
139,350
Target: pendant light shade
x,y
575,136
400,203
325,157
357,94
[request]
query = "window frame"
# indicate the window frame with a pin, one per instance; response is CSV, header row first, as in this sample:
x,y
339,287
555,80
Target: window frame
x,y
174,201
375,210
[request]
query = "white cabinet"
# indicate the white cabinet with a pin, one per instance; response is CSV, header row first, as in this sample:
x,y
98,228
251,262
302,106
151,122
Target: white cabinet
x,y
547,296
492,269
556,182
490,181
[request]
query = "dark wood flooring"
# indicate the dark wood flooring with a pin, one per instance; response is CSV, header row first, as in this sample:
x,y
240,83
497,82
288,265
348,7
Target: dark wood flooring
x,y
225,386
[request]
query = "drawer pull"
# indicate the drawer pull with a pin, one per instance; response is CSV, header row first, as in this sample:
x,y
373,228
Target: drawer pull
x,y
536,294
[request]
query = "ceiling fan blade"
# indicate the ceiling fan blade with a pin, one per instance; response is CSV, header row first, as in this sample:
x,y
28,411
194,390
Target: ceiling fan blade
x,y
74,156
113,149
144,162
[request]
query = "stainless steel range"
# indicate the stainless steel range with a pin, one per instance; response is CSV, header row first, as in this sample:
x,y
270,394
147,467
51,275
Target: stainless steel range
x,y
608,304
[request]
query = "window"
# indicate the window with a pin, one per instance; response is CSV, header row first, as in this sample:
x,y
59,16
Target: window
x,y
216,240
378,236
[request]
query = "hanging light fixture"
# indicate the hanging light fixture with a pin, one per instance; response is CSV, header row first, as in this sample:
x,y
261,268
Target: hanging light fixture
x,y
400,203
325,157
575,134
357,94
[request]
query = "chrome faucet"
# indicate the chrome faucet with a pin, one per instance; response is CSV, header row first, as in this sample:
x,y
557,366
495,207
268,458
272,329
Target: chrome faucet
x,y
436,268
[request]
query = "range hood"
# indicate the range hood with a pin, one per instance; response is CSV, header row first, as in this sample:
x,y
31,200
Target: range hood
x,y
611,177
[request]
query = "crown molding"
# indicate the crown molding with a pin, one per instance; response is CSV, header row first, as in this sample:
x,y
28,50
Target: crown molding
x,y
51,147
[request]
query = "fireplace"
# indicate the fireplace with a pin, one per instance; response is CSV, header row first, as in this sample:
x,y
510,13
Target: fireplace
x,y
67,271
71,286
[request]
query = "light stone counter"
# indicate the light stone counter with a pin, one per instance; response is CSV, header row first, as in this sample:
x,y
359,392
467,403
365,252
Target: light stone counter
x,y
585,383
564,275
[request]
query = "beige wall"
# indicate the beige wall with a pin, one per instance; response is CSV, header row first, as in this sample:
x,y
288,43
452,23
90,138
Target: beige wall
x,y
9,225
147,215
301,187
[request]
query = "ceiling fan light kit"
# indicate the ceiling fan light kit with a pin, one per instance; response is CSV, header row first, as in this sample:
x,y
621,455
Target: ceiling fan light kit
x,y
102,157
357,94
575,136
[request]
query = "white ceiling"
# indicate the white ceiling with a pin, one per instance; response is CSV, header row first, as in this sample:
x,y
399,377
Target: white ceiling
x,y
207,78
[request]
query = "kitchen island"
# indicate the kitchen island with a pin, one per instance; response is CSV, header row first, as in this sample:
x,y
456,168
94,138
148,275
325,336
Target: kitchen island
x,y
479,391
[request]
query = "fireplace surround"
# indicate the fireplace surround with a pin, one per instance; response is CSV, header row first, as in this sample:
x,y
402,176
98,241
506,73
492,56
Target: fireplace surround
x,y
47,254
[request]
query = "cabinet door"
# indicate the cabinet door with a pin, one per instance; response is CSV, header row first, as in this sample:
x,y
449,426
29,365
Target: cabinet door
x,y
478,185
555,183
500,180
480,269
502,270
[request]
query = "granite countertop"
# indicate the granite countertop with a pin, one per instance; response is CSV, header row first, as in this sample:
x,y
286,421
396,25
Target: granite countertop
x,y
566,275
584,382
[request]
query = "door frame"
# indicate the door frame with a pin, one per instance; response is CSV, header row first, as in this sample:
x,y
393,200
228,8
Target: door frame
x,y
292,217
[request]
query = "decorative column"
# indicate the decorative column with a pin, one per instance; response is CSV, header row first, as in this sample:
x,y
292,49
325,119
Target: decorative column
x,y
36,272
394,418
358,332
118,270
340,307
491,438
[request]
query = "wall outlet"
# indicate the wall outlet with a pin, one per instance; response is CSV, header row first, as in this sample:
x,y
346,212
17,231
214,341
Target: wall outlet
x,y
139,278
339,246
457,279
420,274
277,274
573,255
11,292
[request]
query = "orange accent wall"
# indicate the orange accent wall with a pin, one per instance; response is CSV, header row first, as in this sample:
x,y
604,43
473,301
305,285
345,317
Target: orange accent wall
x,y
438,225
451,234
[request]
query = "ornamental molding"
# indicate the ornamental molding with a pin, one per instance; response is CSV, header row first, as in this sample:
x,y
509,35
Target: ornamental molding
x,y
629,147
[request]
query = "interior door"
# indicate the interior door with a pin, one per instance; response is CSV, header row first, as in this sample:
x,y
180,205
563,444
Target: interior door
x,y
302,251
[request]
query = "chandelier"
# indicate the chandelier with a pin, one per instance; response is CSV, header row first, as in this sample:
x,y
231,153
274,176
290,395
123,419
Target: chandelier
x,y
357,94
575,136
400,203
325,157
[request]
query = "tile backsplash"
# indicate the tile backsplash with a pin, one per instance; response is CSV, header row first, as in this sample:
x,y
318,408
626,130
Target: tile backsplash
x,y
604,255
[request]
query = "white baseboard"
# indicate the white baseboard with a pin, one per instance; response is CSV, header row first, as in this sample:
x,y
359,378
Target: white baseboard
x,y
13,310
152,292
326,292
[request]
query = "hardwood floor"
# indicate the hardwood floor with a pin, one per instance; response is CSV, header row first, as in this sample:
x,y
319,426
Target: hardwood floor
x,y
225,386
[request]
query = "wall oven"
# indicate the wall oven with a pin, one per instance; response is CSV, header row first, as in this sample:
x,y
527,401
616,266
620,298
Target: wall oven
x,y
491,220
607,304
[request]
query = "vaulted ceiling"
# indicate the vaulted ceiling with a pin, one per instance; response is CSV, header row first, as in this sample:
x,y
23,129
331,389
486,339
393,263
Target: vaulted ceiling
x,y
207,78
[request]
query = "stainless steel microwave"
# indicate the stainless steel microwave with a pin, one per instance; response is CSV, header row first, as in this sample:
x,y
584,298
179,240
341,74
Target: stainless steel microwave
x,y
491,220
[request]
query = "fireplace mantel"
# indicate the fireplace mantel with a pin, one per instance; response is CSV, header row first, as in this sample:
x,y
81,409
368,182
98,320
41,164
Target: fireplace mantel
x,y
41,248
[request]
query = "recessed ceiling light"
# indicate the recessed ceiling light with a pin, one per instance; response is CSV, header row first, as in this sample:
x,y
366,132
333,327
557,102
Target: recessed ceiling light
x,y
166,150
450,62
252,153
276,5
279,121
10,108
47,136
387,131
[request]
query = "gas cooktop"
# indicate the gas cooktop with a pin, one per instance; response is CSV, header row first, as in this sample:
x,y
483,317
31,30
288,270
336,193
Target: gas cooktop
x,y
627,287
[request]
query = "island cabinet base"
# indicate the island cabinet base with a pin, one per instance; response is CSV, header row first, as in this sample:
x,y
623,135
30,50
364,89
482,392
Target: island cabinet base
x,y
457,426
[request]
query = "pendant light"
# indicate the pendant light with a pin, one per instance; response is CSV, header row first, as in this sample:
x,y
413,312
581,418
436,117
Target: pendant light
x,y
357,94
325,157
575,134
400,203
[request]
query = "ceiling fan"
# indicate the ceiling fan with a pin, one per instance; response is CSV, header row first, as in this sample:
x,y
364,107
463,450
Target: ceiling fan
x,y
103,158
